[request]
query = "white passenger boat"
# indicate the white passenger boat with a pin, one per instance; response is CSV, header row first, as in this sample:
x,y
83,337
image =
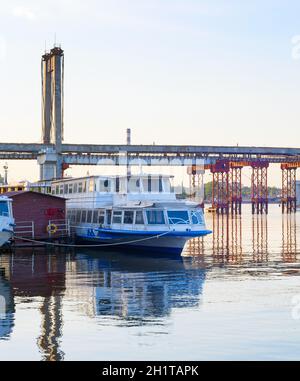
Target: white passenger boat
x,y
6,220
136,212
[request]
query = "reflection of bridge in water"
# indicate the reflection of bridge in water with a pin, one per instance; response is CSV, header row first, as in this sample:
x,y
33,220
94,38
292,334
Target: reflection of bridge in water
x,y
229,244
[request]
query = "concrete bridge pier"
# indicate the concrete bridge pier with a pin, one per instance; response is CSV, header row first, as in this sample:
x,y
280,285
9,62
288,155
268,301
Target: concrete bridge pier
x,y
50,165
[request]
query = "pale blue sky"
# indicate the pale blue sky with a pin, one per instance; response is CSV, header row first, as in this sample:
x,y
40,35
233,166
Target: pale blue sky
x,y
175,71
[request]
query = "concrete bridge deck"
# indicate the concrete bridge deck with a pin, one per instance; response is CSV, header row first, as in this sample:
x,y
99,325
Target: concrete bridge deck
x,y
89,153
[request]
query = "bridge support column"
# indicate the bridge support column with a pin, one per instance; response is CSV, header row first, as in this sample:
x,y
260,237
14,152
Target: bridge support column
x,y
50,165
259,184
288,196
235,188
220,186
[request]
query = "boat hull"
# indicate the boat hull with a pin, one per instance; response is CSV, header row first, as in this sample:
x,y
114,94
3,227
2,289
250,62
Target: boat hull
x,y
154,242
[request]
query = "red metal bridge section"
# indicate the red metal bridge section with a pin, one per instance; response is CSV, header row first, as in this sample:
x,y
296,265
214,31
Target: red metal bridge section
x,y
227,185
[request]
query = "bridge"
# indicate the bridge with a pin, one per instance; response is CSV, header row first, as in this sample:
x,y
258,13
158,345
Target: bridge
x,y
224,162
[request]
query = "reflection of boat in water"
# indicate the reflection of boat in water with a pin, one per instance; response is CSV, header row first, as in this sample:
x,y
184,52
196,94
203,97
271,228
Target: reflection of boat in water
x,y
7,308
134,288
139,212
6,220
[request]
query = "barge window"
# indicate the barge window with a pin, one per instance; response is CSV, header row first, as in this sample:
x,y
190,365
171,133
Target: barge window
x,y
101,217
92,185
4,210
75,187
128,217
78,215
104,186
57,189
95,217
139,218
89,216
108,217
117,217
155,217
66,186
83,216
197,217
178,217
73,216
80,188
61,189
70,188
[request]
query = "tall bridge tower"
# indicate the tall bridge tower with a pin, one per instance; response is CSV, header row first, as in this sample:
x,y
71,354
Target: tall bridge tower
x,y
52,66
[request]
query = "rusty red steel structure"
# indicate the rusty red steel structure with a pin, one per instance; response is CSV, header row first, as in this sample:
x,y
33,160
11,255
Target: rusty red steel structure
x,y
235,187
227,186
259,187
220,186
288,195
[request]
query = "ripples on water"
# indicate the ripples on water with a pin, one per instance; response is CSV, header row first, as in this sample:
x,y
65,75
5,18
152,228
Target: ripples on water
x,y
229,297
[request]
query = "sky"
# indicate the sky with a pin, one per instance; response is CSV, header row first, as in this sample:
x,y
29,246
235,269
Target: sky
x,y
217,72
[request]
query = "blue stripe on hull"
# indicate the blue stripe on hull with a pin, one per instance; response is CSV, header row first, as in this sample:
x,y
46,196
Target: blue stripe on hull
x,y
189,234
131,248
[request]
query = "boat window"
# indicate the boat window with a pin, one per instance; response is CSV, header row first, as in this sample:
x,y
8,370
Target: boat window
x,y
117,185
104,185
167,185
128,217
139,218
83,216
78,215
133,185
66,186
147,184
117,217
52,190
101,217
79,187
61,189
92,185
178,217
70,188
108,217
4,208
75,187
73,216
197,217
95,217
155,217
89,216
57,189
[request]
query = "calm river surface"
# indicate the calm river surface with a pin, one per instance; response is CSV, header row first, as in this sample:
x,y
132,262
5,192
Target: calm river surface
x,y
233,296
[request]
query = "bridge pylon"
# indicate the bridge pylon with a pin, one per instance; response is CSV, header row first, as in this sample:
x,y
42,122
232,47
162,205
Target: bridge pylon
x,y
52,112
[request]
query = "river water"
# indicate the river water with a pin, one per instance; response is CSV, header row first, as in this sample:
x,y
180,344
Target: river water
x,y
234,295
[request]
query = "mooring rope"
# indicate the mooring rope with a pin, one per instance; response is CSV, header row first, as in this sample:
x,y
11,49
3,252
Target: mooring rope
x,y
98,245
